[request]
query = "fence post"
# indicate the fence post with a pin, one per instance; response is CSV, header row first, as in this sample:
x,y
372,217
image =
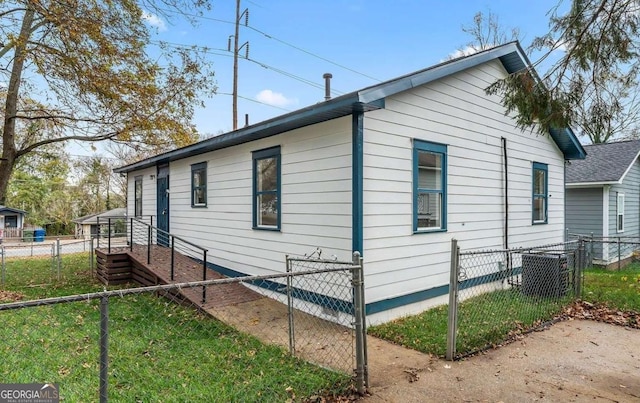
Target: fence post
x,y
104,349
91,255
357,282
98,232
149,245
591,250
619,257
292,340
59,259
173,258
204,275
452,323
131,235
2,262
582,263
109,234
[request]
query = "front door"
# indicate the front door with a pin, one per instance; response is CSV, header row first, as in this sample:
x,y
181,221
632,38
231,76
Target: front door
x,y
162,187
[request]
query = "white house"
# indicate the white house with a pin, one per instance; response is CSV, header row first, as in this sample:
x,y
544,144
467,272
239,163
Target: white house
x,y
394,171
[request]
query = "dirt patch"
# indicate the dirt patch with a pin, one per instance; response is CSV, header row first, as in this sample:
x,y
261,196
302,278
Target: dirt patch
x,y
571,361
10,296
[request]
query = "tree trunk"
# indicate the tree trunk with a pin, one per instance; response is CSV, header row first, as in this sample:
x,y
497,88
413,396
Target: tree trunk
x,y
9,152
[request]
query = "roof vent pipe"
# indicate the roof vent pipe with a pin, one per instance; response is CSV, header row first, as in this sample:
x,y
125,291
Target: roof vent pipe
x,y
327,86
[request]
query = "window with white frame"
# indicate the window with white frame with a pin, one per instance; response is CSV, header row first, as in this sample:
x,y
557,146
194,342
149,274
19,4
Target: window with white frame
x,y
137,196
620,212
540,193
429,186
199,185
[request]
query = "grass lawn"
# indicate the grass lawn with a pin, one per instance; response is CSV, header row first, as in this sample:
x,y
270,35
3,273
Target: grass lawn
x,y
491,318
158,351
615,289
484,320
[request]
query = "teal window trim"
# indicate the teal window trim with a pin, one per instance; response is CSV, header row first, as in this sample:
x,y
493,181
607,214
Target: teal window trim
x,y
440,150
201,170
137,196
537,195
257,156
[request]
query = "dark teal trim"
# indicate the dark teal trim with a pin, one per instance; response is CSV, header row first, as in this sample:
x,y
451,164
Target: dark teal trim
x,y
201,166
419,296
357,192
386,304
537,166
272,152
325,301
418,146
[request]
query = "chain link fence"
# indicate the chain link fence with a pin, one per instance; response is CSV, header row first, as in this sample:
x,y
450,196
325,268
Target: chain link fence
x,y
41,263
253,340
497,295
610,252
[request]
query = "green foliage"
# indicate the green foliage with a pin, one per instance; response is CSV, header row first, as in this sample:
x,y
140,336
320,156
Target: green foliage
x,y
592,83
84,72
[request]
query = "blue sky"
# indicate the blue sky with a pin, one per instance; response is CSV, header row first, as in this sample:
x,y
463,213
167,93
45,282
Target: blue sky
x,y
376,39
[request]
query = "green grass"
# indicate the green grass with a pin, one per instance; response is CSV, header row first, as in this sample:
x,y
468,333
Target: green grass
x,y
494,317
158,351
615,289
484,320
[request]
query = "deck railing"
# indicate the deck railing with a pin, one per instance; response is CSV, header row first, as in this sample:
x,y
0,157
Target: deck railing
x,y
142,236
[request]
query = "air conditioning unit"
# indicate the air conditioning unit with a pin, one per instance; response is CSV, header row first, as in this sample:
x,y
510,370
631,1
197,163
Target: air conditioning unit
x,y
545,274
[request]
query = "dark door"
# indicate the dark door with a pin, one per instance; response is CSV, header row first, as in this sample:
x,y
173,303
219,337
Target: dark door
x,y
162,187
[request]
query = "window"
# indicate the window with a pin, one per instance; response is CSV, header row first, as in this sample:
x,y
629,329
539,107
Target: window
x,y
620,212
429,186
266,189
199,185
138,196
540,193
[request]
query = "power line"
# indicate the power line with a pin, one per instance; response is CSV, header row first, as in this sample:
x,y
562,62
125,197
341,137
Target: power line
x,y
298,48
255,100
208,50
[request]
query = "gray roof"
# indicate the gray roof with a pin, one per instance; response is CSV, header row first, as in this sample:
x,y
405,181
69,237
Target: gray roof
x,y
11,210
370,98
605,163
104,216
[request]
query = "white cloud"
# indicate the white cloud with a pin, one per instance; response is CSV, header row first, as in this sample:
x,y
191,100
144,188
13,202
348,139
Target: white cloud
x,y
154,21
275,98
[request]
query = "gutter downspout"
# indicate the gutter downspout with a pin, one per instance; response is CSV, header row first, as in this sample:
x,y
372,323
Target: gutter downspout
x,y
506,194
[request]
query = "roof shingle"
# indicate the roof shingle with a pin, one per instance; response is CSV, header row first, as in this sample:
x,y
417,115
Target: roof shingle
x,y
605,162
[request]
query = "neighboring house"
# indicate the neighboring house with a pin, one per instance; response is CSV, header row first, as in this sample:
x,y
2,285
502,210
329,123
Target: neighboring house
x,y
394,171
603,195
11,222
87,226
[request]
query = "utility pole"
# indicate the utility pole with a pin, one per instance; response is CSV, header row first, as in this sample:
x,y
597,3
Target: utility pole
x,y
236,50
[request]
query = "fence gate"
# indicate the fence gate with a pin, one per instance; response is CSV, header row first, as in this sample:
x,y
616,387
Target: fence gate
x,y
328,305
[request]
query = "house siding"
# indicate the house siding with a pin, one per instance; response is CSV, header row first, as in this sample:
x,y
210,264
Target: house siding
x,y
148,192
584,214
457,112
630,186
315,193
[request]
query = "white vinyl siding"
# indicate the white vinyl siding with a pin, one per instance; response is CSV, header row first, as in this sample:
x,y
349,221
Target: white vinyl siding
x,y
315,192
148,192
457,112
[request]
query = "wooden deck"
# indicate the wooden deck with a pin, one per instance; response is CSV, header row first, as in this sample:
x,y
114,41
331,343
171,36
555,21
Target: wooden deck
x,y
124,265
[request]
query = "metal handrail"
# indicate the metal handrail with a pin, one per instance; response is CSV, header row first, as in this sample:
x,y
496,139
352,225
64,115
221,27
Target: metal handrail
x,y
161,231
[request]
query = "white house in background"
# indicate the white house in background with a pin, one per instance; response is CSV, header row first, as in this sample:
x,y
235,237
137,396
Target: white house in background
x,y
11,222
87,226
394,171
